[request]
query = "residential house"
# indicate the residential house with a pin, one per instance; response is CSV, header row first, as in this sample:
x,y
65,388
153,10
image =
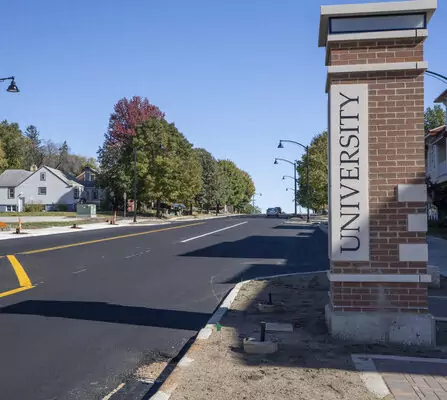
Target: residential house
x,y
45,185
436,163
92,194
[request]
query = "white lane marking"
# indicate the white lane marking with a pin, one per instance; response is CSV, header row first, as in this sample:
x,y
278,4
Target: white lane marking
x,y
81,270
138,254
211,233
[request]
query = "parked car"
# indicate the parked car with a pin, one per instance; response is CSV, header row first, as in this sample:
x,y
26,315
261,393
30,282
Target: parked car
x,y
273,212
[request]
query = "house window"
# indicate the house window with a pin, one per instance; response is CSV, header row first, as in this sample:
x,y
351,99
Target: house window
x,y
92,177
42,191
87,176
43,176
76,193
11,208
95,194
11,193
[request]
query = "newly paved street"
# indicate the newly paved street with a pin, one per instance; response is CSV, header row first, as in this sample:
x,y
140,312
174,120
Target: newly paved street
x,y
105,302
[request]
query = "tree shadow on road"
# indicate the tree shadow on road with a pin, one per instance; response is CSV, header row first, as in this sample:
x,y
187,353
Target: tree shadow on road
x,y
112,313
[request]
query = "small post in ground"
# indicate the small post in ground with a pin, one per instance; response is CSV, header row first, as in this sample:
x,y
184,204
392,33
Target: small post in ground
x,y
263,331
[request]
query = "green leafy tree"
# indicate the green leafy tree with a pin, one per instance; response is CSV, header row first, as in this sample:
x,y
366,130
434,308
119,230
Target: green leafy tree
x,y
168,169
13,144
223,190
115,156
206,198
240,186
3,160
318,174
434,117
235,182
34,152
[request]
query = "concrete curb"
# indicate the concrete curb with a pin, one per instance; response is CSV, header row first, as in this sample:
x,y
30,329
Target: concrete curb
x,y
369,375
172,381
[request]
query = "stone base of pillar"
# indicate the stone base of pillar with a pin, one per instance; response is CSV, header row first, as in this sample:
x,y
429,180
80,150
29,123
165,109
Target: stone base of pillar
x,y
382,327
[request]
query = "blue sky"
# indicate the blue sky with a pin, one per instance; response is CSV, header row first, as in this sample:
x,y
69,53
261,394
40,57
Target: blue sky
x,y
235,76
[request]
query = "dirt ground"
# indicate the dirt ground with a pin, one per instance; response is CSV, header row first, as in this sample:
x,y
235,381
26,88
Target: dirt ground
x,y
308,365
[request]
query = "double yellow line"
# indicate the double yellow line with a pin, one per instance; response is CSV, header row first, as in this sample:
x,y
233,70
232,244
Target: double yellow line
x,y
25,282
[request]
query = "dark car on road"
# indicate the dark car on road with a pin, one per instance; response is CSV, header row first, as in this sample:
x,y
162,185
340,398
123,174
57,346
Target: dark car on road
x,y
273,212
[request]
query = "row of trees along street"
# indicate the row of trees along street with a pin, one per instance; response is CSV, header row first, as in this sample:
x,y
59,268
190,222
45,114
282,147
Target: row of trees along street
x,y
318,175
318,164
21,150
169,169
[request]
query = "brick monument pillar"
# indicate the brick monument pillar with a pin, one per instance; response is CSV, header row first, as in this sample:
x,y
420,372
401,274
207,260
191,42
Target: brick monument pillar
x,y
378,223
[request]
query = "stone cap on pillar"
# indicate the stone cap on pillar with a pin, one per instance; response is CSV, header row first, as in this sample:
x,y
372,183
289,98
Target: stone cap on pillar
x,y
371,21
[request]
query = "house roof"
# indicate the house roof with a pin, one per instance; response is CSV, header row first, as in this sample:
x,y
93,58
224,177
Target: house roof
x,y
436,131
442,97
59,174
13,177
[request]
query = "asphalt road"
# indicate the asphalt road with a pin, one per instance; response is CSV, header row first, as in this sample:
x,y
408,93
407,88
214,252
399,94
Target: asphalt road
x,y
105,302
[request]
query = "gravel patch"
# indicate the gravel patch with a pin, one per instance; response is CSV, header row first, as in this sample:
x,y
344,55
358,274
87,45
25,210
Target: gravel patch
x,y
308,365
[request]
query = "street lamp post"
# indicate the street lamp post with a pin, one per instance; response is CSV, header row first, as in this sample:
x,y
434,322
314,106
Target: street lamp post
x,y
280,146
294,173
12,88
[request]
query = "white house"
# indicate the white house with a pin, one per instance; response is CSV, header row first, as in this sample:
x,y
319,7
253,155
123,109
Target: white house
x,y
435,142
436,165
92,194
47,186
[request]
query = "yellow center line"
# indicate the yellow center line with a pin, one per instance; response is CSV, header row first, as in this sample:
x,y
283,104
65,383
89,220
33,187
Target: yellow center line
x,y
24,281
66,246
14,291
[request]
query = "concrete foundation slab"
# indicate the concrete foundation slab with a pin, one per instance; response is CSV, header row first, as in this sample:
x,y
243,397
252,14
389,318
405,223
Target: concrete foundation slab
x,y
382,327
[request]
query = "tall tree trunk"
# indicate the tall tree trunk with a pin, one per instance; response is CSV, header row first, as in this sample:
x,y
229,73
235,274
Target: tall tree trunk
x,y
158,208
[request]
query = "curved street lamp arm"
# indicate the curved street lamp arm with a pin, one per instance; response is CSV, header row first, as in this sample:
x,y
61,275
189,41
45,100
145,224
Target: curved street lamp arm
x,y
11,78
436,75
287,161
292,141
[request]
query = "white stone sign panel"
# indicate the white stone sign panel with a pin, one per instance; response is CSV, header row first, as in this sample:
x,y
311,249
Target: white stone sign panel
x,y
348,173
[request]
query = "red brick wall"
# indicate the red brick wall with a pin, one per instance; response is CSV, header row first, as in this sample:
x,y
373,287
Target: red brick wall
x,y
376,52
396,156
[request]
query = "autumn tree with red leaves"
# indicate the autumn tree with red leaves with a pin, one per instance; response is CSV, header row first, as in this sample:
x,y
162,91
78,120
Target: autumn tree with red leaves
x,y
127,115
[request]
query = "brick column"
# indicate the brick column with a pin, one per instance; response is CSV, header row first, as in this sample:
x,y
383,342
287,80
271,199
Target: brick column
x,y
378,222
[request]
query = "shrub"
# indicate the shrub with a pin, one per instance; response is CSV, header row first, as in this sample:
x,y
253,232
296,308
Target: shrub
x,y
34,208
61,207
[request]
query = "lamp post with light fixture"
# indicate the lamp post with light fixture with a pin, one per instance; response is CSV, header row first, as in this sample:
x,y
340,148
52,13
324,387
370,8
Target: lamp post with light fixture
x,y
281,146
294,174
12,88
